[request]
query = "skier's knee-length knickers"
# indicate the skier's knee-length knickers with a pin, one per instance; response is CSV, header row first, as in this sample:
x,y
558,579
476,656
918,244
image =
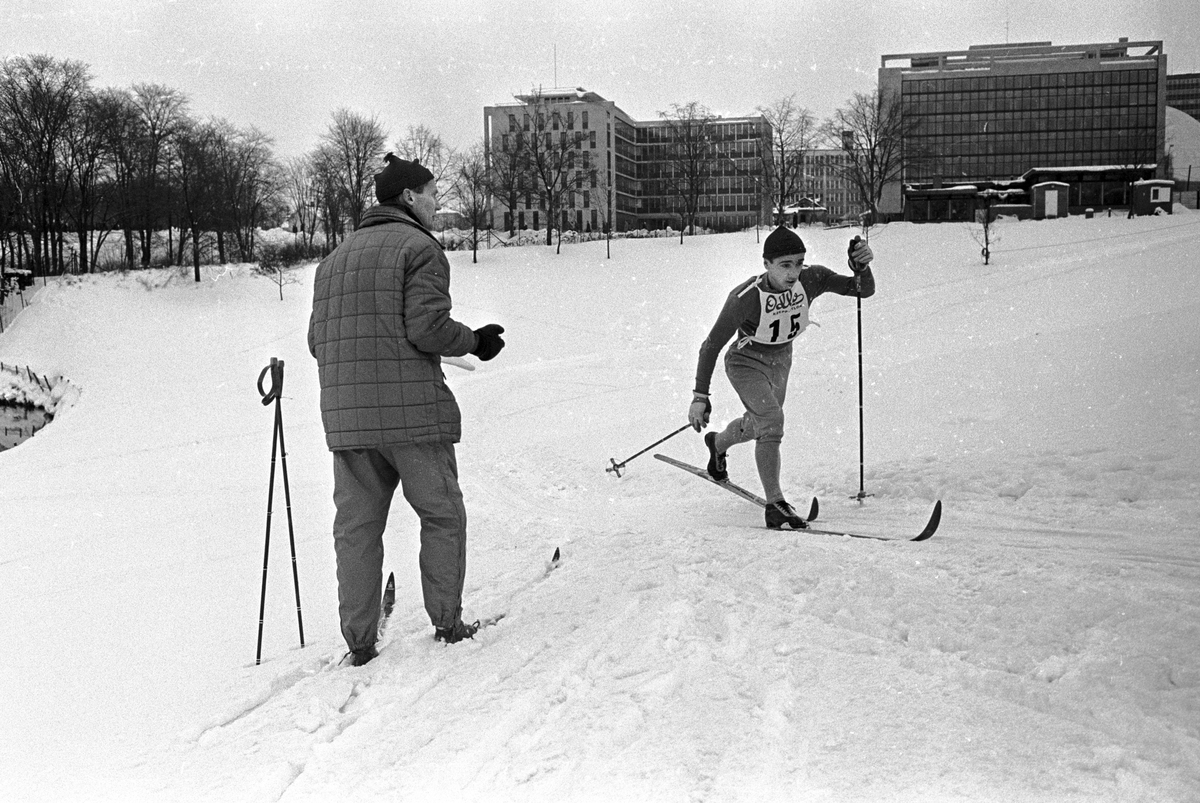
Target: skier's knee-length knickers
x,y
760,378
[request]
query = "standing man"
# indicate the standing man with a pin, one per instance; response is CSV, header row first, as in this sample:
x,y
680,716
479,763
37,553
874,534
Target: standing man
x,y
767,313
380,325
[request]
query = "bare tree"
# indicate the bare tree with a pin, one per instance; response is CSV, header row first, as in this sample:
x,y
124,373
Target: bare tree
x,y
163,110
986,235
793,129
471,191
331,205
420,144
508,172
196,152
872,130
603,196
39,95
691,158
301,192
87,142
353,146
248,181
121,139
551,153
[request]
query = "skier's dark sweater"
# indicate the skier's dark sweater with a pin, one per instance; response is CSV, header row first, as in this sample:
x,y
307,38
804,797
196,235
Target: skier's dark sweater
x,y
743,309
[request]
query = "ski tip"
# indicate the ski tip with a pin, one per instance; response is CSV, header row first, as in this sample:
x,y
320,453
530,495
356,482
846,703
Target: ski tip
x,y
935,519
391,581
813,510
556,557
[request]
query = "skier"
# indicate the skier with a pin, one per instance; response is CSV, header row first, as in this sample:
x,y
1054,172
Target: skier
x,y
767,312
380,324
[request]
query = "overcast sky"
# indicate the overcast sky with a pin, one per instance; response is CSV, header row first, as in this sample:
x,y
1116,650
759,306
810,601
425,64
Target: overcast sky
x,y
284,66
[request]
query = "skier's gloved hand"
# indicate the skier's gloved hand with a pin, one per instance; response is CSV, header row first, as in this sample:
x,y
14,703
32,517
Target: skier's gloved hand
x,y
860,255
699,411
489,341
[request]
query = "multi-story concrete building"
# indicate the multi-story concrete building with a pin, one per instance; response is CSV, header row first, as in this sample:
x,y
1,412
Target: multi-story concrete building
x,y
604,177
824,181
1091,115
619,178
735,195
1183,93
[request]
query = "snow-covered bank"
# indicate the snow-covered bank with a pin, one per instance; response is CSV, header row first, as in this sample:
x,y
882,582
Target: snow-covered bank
x,y
1043,646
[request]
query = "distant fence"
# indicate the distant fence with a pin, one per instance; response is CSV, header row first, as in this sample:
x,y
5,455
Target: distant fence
x,y
42,381
52,395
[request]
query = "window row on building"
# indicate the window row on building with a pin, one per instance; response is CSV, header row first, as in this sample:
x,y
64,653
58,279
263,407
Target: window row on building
x,y
1092,102
1010,122
1033,81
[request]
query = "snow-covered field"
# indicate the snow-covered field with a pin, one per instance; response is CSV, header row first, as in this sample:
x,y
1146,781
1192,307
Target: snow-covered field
x,y
1043,646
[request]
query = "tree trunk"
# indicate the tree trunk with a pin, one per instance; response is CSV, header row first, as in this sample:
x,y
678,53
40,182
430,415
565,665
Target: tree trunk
x,y
84,260
196,250
129,260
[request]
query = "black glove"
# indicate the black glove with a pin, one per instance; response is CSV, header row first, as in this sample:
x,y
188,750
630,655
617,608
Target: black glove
x,y
859,254
490,342
699,411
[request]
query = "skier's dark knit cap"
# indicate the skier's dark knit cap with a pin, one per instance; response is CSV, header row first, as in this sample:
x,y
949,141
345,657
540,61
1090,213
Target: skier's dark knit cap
x,y
398,175
782,242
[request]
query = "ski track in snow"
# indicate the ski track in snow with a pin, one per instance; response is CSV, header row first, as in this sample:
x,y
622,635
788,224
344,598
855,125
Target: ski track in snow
x,y
1040,647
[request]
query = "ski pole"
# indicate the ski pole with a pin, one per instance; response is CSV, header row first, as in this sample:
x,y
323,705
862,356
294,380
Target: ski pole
x,y
277,445
616,467
862,494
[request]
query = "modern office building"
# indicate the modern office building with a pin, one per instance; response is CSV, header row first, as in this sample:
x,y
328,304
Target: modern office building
x,y
1183,93
606,153
1090,115
621,173
824,181
735,197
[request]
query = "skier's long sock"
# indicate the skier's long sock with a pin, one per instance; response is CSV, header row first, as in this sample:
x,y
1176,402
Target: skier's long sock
x,y
766,455
730,436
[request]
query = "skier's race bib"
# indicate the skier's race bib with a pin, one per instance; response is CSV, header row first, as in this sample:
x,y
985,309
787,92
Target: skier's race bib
x,y
782,316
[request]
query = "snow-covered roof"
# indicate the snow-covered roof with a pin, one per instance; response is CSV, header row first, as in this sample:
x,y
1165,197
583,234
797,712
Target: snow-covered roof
x,y
1090,168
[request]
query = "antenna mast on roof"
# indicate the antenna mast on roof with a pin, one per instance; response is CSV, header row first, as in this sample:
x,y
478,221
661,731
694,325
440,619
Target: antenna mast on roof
x,y
556,63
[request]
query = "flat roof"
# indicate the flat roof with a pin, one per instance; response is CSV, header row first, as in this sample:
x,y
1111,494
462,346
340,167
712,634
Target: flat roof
x,y
1022,51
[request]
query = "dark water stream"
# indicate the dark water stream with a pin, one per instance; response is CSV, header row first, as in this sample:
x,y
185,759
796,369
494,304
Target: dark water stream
x,y
19,423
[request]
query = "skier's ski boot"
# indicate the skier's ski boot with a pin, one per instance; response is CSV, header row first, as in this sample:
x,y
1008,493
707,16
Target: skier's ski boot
x,y
716,460
453,635
780,514
361,656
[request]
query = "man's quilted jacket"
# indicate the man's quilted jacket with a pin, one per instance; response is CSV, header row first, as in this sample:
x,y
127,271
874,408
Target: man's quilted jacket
x,y
380,324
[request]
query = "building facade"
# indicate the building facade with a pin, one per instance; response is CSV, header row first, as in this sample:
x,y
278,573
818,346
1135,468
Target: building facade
x,y
1183,93
619,176
824,181
1093,114
734,197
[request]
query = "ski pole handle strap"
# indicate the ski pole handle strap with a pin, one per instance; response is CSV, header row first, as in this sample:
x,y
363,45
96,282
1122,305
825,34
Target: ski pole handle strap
x,y
276,369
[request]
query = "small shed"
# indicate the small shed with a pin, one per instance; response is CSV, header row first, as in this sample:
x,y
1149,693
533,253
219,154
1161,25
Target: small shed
x,y
1150,195
1050,199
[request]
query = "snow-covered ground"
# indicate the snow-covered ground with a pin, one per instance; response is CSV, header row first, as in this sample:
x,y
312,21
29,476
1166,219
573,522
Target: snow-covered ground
x,y
1043,646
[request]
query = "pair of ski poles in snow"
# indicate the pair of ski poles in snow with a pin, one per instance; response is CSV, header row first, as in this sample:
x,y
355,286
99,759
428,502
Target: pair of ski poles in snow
x,y
616,467
277,446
